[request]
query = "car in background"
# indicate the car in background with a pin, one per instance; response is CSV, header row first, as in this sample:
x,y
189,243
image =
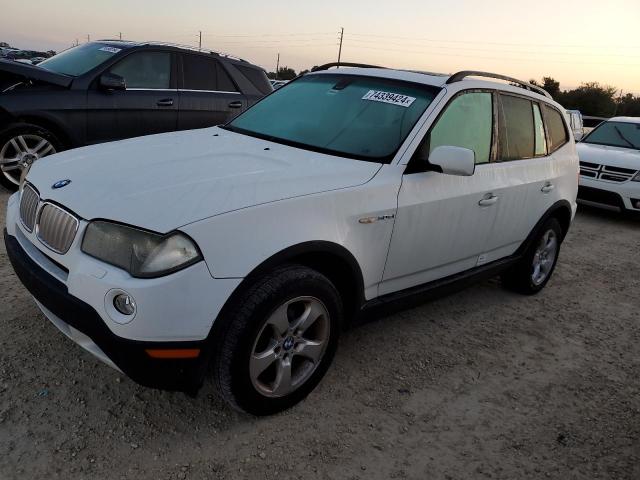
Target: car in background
x,y
576,124
590,122
7,51
110,90
610,165
276,84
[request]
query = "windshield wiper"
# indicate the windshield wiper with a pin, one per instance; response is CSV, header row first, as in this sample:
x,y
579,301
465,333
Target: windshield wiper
x,y
621,135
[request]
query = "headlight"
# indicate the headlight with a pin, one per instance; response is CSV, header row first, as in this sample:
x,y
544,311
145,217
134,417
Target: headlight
x,y
141,253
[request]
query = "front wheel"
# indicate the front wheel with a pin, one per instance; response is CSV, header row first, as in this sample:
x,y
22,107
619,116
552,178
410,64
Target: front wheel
x,y
531,274
277,341
22,144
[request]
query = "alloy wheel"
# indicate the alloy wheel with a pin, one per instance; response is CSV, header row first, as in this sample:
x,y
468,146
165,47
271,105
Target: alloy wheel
x,y
544,257
290,346
19,153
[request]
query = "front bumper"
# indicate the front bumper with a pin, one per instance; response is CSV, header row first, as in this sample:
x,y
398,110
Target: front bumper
x,y
83,324
611,195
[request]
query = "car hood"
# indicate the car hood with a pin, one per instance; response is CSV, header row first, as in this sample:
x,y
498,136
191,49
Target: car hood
x,y
162,182
606,155
9,68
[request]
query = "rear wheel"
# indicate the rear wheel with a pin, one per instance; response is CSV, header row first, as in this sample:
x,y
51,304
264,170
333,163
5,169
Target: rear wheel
x,y
21,145
532,273
277,341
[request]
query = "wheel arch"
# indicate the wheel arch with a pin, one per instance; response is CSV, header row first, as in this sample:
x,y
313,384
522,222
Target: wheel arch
x,y
49,124
330,259
561,211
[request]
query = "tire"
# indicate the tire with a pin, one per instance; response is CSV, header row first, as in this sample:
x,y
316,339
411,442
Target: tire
x,y
256,328
19,141
523,277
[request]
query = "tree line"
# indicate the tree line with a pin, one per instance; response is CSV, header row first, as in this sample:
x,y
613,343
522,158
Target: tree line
x,y
593,99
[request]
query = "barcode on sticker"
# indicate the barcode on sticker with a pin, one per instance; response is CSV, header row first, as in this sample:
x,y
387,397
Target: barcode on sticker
x,y
389,97
110,49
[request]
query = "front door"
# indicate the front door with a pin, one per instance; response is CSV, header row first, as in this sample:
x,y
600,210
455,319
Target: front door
x,y
443,221
149,104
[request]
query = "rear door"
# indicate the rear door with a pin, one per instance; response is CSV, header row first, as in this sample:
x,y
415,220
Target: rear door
x,y
208,95
148,105
526,163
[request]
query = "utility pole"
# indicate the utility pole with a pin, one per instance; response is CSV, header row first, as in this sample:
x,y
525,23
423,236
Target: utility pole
x,y
340,49
200,41
120,35
88,38
277,66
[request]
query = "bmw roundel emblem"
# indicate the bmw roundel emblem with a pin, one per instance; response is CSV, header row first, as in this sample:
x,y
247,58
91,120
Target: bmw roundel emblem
x,y
61,183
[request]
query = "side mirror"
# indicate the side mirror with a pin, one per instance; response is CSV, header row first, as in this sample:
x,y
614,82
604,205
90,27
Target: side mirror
x,y
454,160
111,81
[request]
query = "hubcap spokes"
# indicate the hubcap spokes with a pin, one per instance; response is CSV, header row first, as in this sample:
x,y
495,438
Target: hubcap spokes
x,y
20,152
544,257
290,346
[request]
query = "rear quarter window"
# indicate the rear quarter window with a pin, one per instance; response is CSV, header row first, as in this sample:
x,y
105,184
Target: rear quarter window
x,y
556,126
257,77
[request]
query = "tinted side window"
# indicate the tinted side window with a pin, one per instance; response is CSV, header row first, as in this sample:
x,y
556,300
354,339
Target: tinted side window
x,y
225,84
517,138
557,130
145,70
541,141
199,73
257,77
467,122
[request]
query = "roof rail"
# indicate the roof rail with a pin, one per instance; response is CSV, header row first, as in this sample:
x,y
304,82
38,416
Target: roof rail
x,y
424,72
195,49
456,77
177,45
327,66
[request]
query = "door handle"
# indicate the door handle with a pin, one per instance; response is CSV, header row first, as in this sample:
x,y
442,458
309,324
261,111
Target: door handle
x,y
236,104
165,102
488,200
548,187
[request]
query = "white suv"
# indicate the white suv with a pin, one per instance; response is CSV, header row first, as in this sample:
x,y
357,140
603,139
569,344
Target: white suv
x,y
610,165
246,248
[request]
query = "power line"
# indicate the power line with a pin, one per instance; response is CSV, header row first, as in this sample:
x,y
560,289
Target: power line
x,y
493,58
269,35
475,42
529,52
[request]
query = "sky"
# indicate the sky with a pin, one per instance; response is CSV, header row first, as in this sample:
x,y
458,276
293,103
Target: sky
x,y
572,41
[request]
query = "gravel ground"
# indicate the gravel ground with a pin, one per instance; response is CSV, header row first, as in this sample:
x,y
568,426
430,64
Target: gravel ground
x,y
480,384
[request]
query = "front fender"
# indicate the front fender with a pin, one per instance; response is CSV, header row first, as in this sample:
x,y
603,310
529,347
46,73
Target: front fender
x,y
235,243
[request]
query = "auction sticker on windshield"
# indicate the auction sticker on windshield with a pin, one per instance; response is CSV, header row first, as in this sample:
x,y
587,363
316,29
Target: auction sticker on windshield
x,y
389,97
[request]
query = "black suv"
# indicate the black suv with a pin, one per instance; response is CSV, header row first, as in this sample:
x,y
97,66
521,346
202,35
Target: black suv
x,y
109,90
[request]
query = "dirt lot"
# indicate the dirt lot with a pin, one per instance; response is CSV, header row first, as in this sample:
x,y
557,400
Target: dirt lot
x,y
481,384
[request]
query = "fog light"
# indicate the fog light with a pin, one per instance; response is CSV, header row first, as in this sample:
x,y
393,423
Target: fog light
x,y
635,203
125,304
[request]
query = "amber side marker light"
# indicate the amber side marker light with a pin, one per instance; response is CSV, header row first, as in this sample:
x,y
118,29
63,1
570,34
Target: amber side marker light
x,y
174,353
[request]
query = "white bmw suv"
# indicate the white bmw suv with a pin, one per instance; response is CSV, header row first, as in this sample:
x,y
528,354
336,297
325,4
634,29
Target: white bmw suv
x,y
240,252
610,165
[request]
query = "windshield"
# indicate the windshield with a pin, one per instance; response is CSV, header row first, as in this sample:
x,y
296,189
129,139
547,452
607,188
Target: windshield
x,y
616,134
358,117
79,60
